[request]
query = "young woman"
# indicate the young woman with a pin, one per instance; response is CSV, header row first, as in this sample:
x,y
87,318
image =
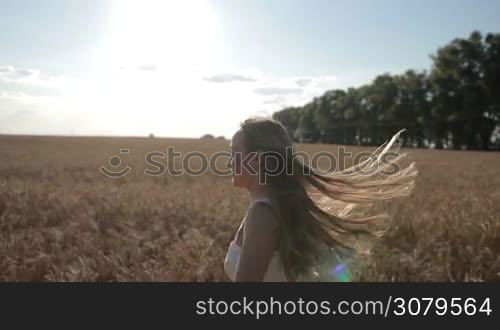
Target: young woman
x,y
302,224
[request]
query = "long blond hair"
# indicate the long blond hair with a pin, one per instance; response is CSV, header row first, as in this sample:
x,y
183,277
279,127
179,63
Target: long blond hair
x,y
325,214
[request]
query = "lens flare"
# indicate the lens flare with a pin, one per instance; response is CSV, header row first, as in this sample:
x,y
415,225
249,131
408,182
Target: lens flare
x,y
340,272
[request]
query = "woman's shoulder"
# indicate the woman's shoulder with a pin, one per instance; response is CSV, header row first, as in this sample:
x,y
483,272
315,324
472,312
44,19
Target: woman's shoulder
x,y
262,214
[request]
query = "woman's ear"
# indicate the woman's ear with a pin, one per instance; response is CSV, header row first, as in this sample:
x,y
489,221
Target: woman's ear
x,y
255,160
259,157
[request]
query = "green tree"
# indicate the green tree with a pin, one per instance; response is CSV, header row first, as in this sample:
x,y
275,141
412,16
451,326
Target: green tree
x,y
461,100
289,117
456,104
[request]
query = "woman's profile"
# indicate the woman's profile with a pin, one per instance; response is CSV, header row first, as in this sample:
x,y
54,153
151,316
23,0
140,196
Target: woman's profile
x,y
303,224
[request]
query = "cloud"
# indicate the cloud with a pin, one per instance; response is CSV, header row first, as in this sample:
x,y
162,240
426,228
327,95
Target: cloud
x,y
148,67
46,101
275,100
289,91
33,78
278,90
315,82
302,82
229,77
295,87
11,74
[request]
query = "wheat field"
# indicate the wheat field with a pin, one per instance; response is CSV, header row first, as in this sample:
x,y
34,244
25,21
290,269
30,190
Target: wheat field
x,y
61,219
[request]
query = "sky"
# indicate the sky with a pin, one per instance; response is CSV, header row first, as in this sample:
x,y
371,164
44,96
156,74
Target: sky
x,y
187,68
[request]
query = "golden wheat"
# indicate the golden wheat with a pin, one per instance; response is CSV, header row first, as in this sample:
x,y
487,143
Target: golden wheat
x,y
61,219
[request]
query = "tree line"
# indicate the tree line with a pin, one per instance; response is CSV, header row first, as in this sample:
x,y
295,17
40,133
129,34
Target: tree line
x,y
456,104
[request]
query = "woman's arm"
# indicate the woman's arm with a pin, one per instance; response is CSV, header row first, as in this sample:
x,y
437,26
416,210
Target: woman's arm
x,y
259,242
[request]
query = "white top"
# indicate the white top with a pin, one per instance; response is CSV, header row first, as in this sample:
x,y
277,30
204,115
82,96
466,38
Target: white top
x,y
332,268
275,272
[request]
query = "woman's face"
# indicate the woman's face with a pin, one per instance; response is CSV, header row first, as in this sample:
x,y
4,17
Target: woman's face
x,y
244,168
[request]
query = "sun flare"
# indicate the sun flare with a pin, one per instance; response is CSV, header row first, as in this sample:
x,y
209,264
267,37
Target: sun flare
x,y
163,33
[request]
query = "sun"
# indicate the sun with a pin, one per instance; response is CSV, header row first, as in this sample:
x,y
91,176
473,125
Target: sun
x,y
149,66
171,34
